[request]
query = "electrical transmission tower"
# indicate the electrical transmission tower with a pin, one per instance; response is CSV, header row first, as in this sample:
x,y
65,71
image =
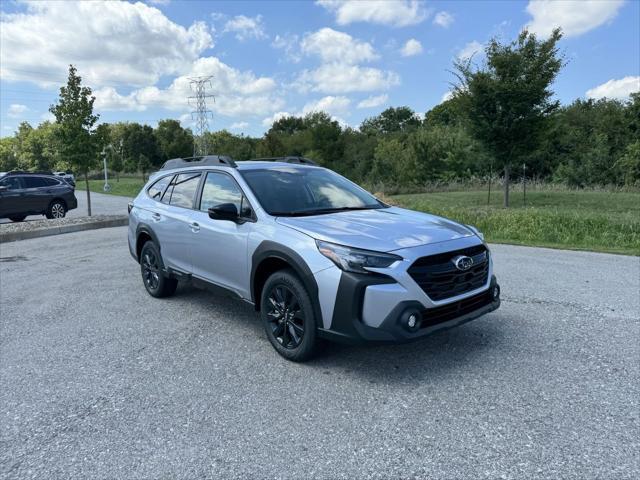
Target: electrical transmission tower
x,y
201,114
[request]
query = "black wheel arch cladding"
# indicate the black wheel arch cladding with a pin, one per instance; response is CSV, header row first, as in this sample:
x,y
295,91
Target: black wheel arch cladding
x,y
272,250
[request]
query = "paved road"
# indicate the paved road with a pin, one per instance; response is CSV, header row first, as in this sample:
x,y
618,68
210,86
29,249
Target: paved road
x,y
101,204
99,380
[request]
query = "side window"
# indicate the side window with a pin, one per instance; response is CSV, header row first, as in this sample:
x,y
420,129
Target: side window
x,y
33,182
51,182
157,189
220,188
12,183
182,190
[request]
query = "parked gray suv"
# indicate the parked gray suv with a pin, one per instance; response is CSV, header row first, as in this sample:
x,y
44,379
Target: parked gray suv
x,y
318,256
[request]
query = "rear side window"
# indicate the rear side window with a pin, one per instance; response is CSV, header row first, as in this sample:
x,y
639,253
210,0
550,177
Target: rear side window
x,y
33,182
182,190
50,182
157,189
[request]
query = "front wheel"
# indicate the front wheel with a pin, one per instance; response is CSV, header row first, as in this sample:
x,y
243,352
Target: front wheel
x,y
151,267
57,209
288,316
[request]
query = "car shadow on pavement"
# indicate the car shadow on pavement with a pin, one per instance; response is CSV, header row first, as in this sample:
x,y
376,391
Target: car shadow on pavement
x,y
427,359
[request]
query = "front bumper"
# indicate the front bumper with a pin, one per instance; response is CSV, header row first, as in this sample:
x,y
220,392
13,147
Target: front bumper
x,y
347,325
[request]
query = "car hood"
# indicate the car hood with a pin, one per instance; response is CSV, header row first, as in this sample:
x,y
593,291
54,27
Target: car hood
x,y
383,230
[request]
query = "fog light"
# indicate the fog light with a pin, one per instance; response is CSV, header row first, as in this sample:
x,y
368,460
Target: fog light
x,y
495,292
410,319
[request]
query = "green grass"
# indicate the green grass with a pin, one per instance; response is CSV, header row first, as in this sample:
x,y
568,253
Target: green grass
x,y
572,219
127,186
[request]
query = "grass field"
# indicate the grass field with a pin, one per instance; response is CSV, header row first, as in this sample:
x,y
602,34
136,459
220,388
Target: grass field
x,y
580,220
127,186
572,219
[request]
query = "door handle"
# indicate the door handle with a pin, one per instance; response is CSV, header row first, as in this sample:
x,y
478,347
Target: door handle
x,y
195,228
155,216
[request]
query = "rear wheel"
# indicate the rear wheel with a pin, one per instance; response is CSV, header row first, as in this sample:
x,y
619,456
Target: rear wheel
x,y
57,209
151,267
17,218
288,316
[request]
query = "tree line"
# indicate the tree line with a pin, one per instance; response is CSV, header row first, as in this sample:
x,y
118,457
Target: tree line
x,y
500,117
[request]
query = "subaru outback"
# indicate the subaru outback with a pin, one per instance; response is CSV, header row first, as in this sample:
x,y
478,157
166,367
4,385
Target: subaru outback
x,y
318,256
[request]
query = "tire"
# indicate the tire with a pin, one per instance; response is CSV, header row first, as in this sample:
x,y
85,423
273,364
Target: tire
x,y
17,218
288,316
156,283
56,209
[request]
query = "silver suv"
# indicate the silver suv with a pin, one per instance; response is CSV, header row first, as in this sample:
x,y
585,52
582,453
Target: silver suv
x,y
318,256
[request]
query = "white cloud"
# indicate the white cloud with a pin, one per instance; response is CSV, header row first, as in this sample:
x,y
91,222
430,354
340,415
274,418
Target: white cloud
x,y
575,17
618,89
246,27
16,110
411,48
333,46
47,117
446,96
239,125
330,104
374,101
340,78
267,122
109,42
471,49
397,13
443,19
236,93
289,44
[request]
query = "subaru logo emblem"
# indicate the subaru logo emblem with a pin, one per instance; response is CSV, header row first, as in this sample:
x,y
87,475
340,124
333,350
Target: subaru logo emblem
x,y
462,262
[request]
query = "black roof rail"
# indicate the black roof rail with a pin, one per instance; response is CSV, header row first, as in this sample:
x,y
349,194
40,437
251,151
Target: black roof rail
x,y
24,172
206,160
289,159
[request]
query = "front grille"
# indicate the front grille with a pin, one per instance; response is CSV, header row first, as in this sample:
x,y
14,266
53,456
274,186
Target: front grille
x,y
440,279
434,316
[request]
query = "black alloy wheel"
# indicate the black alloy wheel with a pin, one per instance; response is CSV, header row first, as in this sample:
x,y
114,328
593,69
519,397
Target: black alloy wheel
x,y
286,317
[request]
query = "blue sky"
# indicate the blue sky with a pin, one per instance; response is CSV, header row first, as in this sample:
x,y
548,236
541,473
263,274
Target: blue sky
x,y
268,59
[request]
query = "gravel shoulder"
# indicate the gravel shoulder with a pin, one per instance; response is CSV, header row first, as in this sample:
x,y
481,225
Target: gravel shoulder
x,y
99,380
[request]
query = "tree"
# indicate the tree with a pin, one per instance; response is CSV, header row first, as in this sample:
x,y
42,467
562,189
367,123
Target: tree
x,y
392,120
139,140
144,165
509,100
75,118
173,140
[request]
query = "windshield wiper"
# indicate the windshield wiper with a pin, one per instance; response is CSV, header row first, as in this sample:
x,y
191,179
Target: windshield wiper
x,y
321,211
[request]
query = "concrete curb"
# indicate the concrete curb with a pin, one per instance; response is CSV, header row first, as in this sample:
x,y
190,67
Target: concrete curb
x,y
79,227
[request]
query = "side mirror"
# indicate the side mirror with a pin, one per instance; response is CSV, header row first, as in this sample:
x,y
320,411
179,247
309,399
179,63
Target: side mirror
x,y
224,211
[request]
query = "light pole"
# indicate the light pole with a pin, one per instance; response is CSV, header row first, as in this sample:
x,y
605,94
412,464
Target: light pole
x,y
107,187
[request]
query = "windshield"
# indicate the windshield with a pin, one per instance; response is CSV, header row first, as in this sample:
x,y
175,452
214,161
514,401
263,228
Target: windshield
x,y
291,191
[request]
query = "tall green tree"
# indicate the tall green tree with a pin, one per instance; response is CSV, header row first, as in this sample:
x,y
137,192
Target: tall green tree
x,y
392,120
75,118
508,101
173,140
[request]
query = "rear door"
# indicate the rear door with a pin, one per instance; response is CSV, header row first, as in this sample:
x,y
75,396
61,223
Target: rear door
x,y
11,197
37,194
172,221
219,249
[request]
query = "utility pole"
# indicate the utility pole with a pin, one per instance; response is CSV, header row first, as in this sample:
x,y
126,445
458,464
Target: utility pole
x,y
201,114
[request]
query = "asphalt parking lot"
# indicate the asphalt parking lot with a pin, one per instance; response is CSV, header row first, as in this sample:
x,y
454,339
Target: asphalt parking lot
x,y
99,380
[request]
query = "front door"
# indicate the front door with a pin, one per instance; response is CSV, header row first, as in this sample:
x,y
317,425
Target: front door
x,y
11,196
219,252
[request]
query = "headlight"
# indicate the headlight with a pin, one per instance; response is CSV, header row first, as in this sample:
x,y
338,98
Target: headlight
x,y
355,260
476,231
